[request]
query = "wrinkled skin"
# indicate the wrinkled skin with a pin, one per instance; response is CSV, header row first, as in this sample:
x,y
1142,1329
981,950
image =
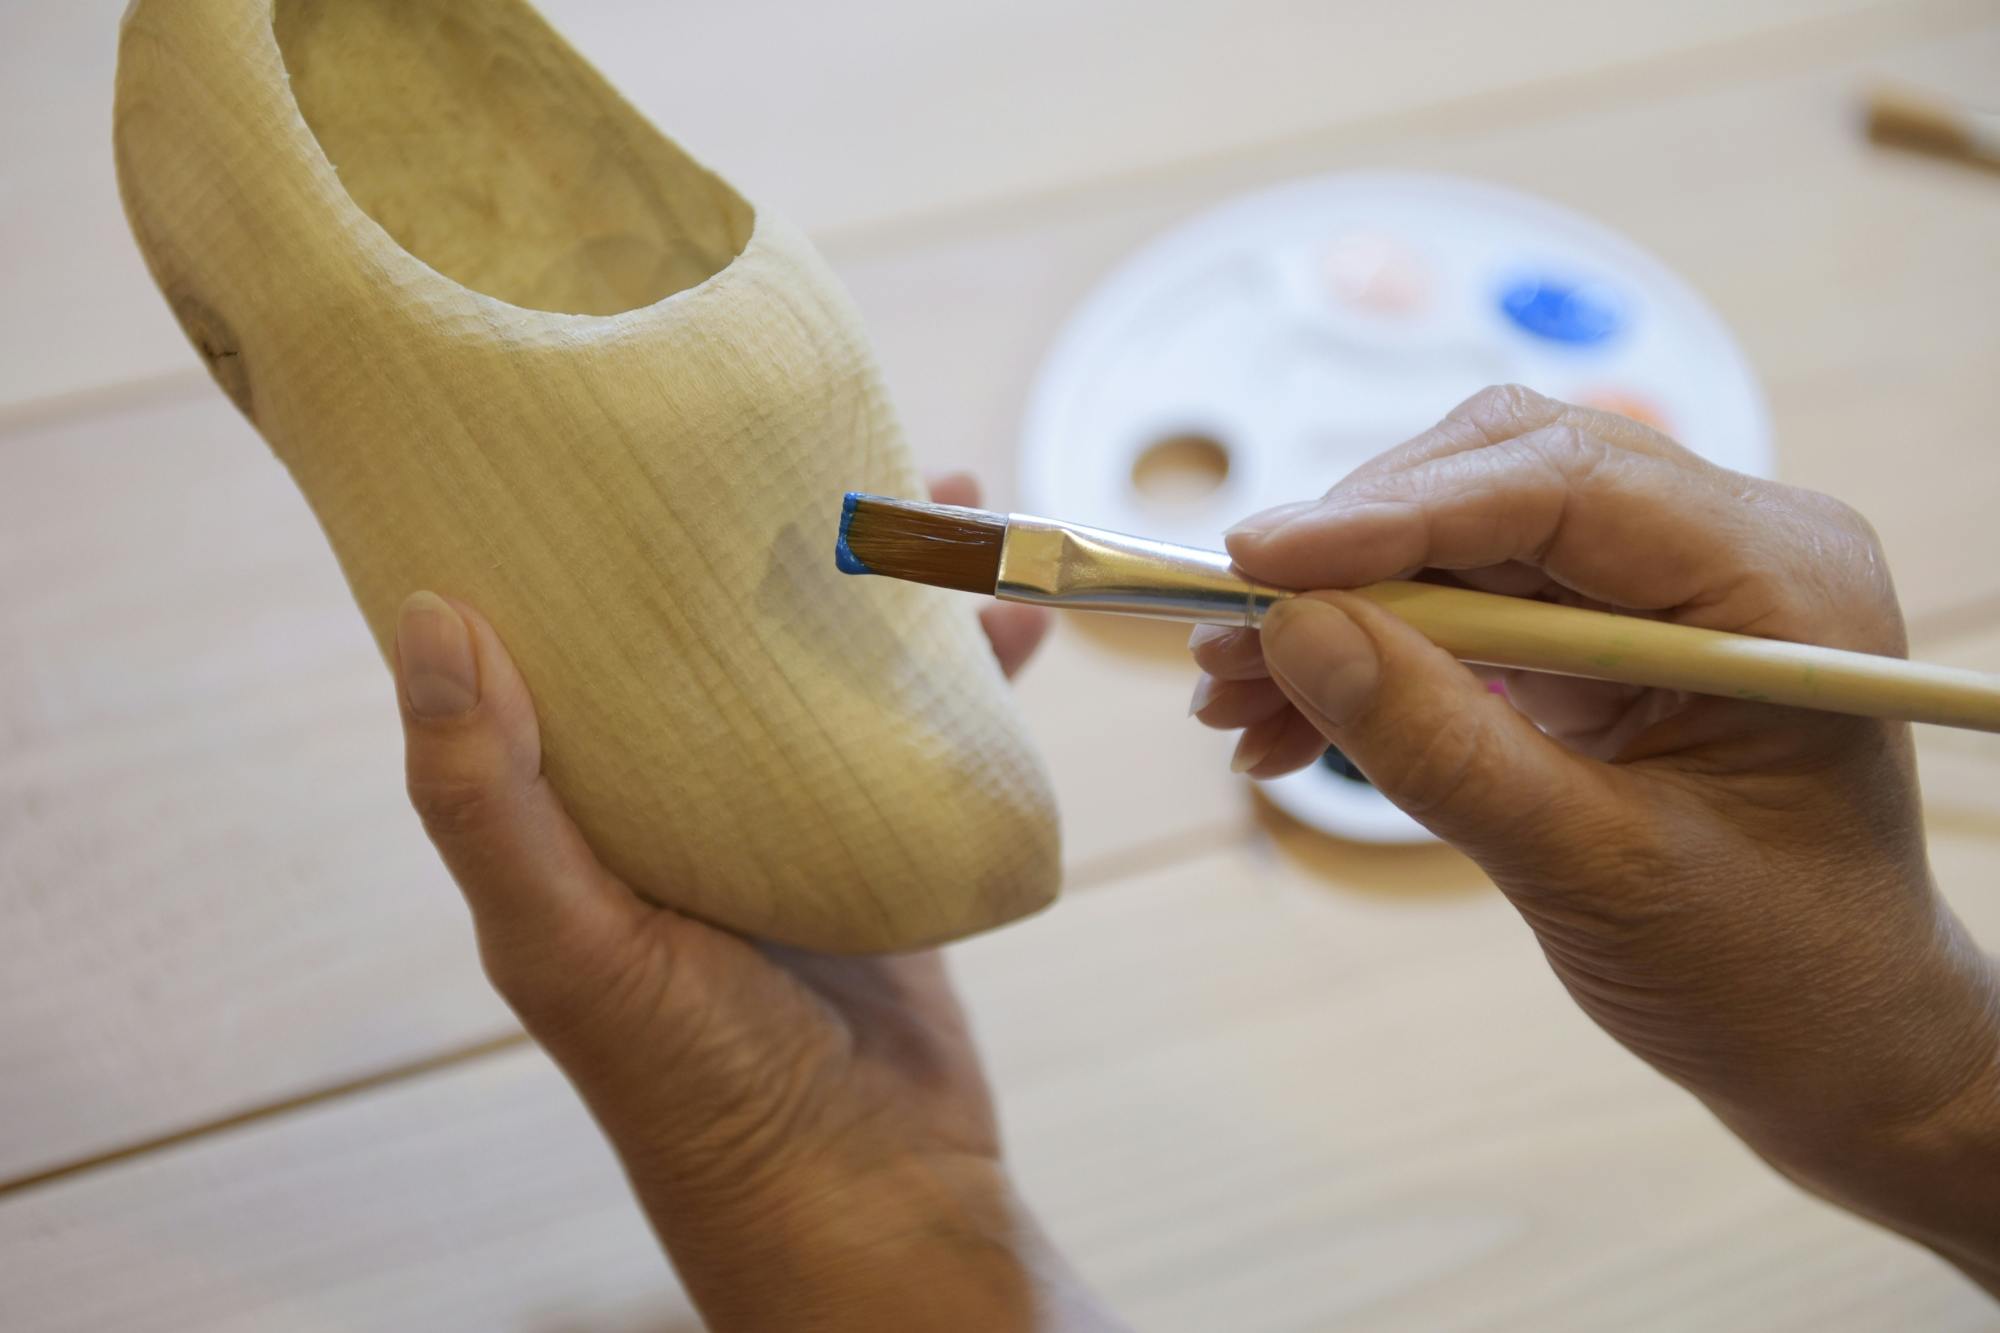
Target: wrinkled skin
x,y
1739,893
804,1133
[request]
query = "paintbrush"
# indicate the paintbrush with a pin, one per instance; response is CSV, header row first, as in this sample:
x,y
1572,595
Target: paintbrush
x,y
1036,560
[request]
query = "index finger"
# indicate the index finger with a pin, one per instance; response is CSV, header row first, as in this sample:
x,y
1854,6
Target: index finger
x,y
1503,412
1656,530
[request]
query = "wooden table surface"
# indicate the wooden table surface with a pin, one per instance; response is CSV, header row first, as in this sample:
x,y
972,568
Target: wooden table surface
x,y
250,1076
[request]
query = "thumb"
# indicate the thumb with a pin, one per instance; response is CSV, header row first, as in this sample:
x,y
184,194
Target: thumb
x,y
1431,737
541,901
583,962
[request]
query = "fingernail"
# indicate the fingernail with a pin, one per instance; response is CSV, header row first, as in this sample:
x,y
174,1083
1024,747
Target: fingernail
x,y
434,650
1251,751
1203,635
1257,525
1252,748
1323,656
1205,690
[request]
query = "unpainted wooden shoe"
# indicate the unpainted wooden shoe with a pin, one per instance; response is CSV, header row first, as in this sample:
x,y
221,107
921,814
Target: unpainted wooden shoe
x,y
518,348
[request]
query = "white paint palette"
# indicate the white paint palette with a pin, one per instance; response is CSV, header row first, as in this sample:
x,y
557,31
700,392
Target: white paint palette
x,y
1256,354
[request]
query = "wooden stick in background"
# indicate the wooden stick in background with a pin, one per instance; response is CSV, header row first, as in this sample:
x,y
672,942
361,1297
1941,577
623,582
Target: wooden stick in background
x,y
1932,124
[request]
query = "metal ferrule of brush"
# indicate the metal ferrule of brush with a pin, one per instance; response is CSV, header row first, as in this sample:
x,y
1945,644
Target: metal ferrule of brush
x,y
1088,569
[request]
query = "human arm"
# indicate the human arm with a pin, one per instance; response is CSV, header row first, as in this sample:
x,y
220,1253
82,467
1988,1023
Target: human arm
x,y
811,1138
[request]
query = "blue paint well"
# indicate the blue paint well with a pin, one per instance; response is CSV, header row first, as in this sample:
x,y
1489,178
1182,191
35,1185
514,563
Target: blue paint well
x,y
843,555
1577,314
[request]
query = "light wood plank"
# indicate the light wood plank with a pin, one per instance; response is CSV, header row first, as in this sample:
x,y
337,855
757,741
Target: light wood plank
x,y
843,115
1246,1092
374,1215
199,761
199,753
213,892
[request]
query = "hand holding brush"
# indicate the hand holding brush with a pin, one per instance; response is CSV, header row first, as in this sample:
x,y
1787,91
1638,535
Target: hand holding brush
x,y
1737,892
1042,562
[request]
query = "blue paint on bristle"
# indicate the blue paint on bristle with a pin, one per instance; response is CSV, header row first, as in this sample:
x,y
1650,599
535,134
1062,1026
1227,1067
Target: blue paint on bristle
x,y
843,555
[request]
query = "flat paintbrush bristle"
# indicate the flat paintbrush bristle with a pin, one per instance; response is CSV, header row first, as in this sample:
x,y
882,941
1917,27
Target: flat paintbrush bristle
x,y
942,545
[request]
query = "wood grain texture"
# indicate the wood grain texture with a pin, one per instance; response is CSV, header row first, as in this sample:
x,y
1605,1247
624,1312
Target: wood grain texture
x,y
521,350
1254,1091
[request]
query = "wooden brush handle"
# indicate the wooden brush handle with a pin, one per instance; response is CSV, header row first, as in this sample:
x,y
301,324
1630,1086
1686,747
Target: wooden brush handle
x,y
1501,631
